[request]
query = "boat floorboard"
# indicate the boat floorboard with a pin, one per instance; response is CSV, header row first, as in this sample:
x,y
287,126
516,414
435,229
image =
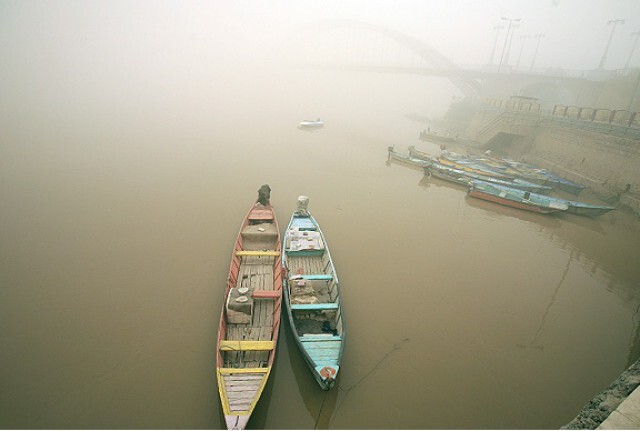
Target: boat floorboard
x,y
257,274
304,265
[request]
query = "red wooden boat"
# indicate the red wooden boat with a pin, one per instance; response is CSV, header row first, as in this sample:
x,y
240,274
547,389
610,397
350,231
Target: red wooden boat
x,y
250,318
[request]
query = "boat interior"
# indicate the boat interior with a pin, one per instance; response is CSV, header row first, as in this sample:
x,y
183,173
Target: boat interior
x,y
313,289
250,304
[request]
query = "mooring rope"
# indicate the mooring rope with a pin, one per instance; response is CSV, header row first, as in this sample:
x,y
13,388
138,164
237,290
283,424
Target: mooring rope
x,y
362,379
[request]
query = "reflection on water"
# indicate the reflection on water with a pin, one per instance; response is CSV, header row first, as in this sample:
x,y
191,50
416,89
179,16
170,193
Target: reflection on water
x,y
535,343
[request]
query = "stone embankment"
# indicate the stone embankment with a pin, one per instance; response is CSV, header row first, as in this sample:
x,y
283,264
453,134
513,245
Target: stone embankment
x,y
604,159
602,405
609,166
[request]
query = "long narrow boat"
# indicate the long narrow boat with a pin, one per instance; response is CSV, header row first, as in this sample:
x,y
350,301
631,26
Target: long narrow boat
x,y
312,296
467,164
463,177
408,159
497,166
250,318
561,183
426,135
432,167
515,198
584,208
456,163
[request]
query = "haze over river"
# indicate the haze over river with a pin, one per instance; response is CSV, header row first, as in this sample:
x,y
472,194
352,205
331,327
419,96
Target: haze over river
x,y
118,218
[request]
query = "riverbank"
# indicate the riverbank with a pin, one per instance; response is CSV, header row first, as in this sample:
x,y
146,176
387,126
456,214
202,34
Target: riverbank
x,y
604,409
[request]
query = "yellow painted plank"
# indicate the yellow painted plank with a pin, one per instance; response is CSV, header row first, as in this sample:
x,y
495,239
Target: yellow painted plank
x,y
223,392
257,253
236,345
242,370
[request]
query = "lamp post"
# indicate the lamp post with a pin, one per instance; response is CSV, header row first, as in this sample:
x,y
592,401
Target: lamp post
x,y
635,42
523,38
497,28
513,32
615,23
535,53
506,39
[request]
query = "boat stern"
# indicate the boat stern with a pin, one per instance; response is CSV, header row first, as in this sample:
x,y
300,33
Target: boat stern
x,y
235,422
240,390
327,375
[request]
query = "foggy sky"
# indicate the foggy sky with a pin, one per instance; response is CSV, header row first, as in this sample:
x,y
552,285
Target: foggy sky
x,y
44,32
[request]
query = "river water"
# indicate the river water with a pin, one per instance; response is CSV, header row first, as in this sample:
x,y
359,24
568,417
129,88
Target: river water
x,y
119,212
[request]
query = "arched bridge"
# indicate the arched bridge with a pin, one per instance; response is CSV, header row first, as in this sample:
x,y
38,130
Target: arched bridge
x,y
363,47
359,46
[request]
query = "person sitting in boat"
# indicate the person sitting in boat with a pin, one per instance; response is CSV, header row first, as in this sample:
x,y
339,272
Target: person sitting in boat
x,y
264,194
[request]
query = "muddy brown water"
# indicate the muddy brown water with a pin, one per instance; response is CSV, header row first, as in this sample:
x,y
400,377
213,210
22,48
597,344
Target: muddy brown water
x,y
117,226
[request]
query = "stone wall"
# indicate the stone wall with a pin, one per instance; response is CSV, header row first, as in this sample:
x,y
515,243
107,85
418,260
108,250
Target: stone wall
x,y
608,160
609,166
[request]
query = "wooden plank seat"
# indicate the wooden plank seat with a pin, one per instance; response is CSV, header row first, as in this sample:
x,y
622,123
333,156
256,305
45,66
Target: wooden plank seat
x,y
315,307
326,351
257,253
242,370
266,294
303,223
311,277
259,214
238,345
320,337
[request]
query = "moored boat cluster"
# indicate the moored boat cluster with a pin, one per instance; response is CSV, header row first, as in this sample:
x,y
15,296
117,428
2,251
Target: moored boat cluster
x,y
502,181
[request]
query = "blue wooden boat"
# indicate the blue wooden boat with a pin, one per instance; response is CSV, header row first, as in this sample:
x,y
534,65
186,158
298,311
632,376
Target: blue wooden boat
x,y
464,177
493,167
432,167
312,296
561,183
585,209
516,198
564,184
465,164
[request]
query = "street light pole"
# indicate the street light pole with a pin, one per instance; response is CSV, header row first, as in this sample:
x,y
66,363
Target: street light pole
x,y
635,42
506,56
506,39
497,28
523,38
615,23
535,53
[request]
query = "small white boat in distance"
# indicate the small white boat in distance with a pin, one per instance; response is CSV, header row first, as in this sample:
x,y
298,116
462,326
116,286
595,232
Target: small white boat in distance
x,y
311,124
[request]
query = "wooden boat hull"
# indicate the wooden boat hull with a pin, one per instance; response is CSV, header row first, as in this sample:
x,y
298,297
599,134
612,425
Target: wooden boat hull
x,y
317,324
586,209
443,175
516,198
520,205
407,160
465,177
590,211
250,318
474,169
432,137
552,179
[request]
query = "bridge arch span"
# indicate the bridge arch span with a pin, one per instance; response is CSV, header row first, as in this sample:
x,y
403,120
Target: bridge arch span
x,y
440,65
